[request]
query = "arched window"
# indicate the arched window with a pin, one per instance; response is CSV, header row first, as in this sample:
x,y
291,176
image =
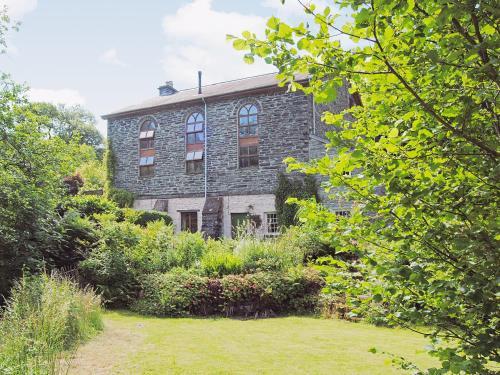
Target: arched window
x,y
248,122
195,138
194,129
147,148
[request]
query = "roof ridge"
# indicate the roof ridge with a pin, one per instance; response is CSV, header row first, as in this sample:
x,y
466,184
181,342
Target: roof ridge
x,y
227,81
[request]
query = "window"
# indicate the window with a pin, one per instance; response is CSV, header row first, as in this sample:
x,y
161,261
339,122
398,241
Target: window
x,y
249,156
272,223
194,162
248,121
189,221
146,148
194,129
148,128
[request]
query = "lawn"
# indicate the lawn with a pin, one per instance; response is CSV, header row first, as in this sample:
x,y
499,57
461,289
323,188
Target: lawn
x,y
134,344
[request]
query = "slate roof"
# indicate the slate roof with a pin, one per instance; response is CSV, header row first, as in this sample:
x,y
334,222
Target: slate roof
x,y
208,91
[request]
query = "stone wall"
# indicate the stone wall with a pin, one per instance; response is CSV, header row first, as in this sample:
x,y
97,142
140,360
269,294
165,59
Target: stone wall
x,y
285,120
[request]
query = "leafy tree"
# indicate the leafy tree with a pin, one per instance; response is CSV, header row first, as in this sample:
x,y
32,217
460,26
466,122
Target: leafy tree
x,y
32,167
70,123
426,139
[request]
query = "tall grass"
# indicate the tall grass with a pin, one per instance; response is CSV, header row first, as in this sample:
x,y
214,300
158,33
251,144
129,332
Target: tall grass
x,y
45,318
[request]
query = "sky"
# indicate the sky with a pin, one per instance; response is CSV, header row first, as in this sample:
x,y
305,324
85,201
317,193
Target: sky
x,y
106,54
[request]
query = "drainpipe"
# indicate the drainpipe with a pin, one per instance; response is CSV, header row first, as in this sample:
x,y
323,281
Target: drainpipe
x,y
205,146
205,115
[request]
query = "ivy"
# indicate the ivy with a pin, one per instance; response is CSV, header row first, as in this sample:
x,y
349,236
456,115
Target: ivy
x,y
292,187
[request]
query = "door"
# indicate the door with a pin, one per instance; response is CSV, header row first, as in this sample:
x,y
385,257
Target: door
x,y
189,221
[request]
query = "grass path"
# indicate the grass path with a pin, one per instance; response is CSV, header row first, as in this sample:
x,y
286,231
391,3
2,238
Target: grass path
x,y
133,344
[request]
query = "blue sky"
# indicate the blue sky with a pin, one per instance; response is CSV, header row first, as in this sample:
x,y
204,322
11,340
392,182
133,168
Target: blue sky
x,y
108,54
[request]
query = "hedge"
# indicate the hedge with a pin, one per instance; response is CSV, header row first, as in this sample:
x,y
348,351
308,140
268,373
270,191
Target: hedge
x,y
183,293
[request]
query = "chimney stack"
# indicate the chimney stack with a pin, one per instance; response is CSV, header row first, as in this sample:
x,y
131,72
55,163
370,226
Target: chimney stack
x,y
199,82
167,89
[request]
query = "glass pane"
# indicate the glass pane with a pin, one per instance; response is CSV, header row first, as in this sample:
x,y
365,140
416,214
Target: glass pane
x,y
198,155
244,131
244,120
252,150
200,137
198,127
191,138
190,128
252,119
254,161
252,130
252,110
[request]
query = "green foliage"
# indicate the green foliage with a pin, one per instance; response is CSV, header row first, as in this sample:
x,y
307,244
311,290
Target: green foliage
x,y
425,140
45,318
109,163
78,237
109,267
71,123
292,187
262,255
183,293
143,218
219,259
91,205
188,249
32,166
121,197
93,174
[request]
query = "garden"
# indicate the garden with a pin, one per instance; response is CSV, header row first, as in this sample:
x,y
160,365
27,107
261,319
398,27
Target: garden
x,y
88,283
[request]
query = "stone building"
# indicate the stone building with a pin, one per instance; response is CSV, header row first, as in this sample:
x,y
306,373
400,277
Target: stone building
x,y
210,156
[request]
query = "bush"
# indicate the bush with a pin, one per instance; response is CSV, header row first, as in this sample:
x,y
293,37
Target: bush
x,y
142,218
264,293
260,255
219,260
109,267
155,250
188,249
121,197
91,205
45,317
78,237
178,293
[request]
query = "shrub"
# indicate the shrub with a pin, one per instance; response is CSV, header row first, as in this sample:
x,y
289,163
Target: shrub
x,y
45,317
219,260
78,237
109,267
142,218
178,294
271,292
188,249
121,197
263,293
90,205
154,252
260,255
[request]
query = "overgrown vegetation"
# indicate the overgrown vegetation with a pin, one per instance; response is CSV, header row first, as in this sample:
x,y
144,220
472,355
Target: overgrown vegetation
x,y
45,318
300,187
426,142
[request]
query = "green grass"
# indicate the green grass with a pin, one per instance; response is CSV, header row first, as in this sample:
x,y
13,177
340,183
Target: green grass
x,y
133,344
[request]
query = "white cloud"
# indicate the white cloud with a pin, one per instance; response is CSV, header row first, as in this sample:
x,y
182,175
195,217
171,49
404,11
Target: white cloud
x,y
58,96
292,9
111,57
16,9
196,40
